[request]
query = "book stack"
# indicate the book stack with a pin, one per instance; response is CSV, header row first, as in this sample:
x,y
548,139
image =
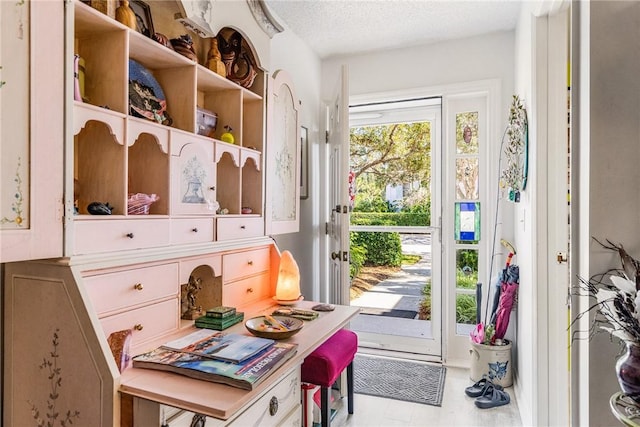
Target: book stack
x,y
238,360
219,318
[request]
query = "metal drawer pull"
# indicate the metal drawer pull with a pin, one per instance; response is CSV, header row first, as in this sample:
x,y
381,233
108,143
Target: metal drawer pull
x,y
242,227
273,406
212,188
250,262
138,286
129,235
249,290
138,327
195,230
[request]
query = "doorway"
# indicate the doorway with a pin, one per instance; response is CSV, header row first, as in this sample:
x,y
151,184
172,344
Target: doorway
x,y
394,228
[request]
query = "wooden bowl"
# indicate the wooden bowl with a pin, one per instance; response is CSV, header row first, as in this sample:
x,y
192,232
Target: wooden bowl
x,y
260,327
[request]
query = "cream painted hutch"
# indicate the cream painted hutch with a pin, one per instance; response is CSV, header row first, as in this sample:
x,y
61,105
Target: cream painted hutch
x,y
71,278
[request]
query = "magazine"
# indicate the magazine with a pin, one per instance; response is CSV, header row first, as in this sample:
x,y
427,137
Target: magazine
x,y
218,345
245,375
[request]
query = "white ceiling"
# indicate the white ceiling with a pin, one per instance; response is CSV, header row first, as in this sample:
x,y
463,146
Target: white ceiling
x,y
344,27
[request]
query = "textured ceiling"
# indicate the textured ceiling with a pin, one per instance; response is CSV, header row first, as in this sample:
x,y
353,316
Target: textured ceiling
x,y
344,27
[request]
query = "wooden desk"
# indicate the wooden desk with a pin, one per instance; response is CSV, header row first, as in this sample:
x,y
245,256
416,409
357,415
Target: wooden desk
x,y
218,400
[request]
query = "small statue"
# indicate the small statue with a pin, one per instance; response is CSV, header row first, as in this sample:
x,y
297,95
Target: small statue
x,y
125,15
214,59
193,287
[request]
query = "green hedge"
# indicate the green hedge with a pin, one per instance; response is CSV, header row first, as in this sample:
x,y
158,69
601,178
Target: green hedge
x,y
379,248
390,218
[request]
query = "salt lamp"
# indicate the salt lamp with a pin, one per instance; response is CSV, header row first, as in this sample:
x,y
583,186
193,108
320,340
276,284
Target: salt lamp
x,y
288,284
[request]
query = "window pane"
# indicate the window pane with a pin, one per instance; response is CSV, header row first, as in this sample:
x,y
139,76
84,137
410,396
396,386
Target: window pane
x,y
467,172
467,133
466,268
467,222
391,174
466,309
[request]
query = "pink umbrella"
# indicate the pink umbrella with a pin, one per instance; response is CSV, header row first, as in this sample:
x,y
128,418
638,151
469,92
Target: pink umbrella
x,y
507,299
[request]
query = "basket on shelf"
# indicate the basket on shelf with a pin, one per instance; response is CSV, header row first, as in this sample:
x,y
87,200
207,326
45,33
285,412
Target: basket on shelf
x,y
139,203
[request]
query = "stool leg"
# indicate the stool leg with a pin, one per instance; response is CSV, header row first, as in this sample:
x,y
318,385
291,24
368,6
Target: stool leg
x,y
325,406
350,387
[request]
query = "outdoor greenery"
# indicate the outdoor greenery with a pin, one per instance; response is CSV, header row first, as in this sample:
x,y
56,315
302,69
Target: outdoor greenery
x,y
465,304
384,159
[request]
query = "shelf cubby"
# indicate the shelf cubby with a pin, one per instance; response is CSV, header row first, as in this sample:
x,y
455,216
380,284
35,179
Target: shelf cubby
x,y
251,180
148,163
99,168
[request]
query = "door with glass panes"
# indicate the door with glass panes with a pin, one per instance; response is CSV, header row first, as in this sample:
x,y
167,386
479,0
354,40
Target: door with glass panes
x,y
395,240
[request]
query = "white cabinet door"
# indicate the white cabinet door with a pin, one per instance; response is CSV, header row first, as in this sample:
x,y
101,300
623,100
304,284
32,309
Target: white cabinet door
x,y
283,156
193,175
31,129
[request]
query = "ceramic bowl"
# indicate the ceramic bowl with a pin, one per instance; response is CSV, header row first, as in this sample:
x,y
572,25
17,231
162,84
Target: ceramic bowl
x,y
260,327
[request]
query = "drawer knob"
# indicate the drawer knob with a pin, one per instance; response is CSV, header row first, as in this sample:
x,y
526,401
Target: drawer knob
x,y
138,327
212,188
249,290
250,262
194,229
138,286
242,227
273,406
130,235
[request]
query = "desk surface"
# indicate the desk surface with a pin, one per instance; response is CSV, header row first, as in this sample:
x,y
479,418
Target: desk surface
x,y
223,401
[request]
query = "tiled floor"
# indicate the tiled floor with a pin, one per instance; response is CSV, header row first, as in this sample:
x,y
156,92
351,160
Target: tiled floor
x,y
457,409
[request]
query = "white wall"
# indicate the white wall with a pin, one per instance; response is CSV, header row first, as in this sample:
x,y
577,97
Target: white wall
x,y
523,227
290,53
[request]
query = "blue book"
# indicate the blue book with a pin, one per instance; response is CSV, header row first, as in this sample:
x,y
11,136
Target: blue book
x,y
206,343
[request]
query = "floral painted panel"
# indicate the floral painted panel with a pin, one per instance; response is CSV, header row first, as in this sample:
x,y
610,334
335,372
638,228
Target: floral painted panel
x,y
14,115
284,175
467,133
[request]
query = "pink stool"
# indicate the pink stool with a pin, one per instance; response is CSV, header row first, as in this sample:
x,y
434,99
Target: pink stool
x,y
323,366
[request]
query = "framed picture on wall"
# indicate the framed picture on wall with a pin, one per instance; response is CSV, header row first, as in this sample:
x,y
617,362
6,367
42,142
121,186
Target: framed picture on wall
x,y
144,22
304,162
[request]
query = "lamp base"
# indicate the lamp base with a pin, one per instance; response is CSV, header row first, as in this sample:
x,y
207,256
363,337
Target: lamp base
x,y
288,302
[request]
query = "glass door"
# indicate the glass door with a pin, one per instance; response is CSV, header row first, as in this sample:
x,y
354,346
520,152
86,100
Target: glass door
x,y
395,240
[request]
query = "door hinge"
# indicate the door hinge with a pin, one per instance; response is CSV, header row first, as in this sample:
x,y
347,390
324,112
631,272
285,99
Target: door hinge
x,y
326,136
326,228
345,256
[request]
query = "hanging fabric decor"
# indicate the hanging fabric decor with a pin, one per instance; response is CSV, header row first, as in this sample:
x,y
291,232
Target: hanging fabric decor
x,y
513,177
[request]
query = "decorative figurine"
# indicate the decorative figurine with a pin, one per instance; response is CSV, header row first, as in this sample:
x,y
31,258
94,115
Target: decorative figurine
x,y
193,287
125,15
214,59
99,208
184,46
228,136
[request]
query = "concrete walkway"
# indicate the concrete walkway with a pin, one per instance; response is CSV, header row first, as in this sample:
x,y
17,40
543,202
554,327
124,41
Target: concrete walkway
x,y
402,291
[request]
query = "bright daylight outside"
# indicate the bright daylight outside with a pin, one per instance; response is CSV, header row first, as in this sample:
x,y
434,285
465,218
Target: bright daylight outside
x,y
392,186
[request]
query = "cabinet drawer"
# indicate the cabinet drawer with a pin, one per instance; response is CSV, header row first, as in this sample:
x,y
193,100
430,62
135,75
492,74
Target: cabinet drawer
x,y
145,322
294,419
120,290
243,292
239,228
288,413
191,230
119,234
243,264
264,413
